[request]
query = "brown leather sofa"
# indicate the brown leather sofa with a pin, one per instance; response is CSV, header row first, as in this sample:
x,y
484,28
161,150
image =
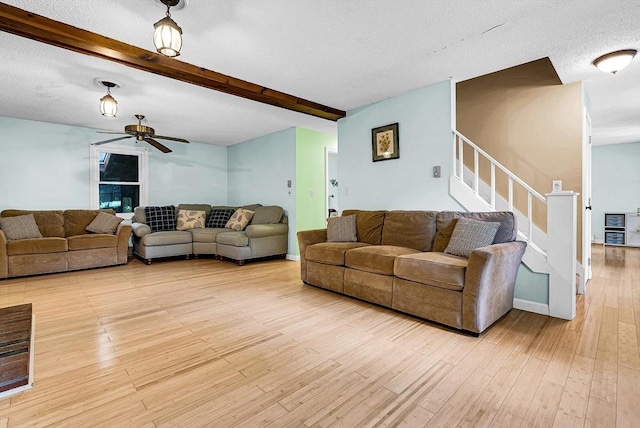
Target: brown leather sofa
x,y
65,244
398,262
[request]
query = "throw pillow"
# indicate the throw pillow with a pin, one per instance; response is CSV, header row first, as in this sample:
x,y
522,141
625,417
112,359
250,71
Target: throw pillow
x,y
240,219
104,223
220,217
161,218
20,227
267,215
342,229
190,219
469,235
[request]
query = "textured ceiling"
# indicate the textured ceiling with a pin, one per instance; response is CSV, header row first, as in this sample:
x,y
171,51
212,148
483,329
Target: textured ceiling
x,y
343,54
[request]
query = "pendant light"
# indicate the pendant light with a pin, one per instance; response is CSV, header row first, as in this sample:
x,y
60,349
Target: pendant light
x,y
108,104
615,61
167,35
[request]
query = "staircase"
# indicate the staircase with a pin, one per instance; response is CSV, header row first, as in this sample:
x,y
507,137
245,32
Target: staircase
x,y
543,254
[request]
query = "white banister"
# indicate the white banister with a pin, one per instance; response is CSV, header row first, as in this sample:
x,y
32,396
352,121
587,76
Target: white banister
x,y
554,252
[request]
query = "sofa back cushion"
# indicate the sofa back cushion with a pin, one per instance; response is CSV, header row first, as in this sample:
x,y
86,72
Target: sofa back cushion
x,y
195,207
50,223
368,225
76,221
411,229
446,222
267,215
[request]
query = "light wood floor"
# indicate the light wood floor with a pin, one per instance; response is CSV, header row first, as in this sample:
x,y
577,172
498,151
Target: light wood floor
x,y
206,343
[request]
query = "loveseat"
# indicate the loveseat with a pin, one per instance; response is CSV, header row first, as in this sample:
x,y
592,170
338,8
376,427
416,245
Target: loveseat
x,y
265,235
401,260
62,243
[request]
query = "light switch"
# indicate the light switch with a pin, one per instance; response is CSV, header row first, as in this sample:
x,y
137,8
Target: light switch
x,y
436,171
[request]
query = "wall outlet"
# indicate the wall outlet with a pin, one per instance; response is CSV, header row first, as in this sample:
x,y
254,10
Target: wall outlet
x,y
289,184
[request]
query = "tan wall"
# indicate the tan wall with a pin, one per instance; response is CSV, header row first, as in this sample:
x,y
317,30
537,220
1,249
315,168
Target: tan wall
x,y
529,122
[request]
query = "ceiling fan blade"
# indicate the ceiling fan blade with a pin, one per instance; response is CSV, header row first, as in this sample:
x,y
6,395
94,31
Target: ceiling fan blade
x,y
162,137
110,132
154,143
99,143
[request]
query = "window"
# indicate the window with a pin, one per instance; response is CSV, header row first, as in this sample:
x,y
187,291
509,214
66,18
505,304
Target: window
x,y
119,178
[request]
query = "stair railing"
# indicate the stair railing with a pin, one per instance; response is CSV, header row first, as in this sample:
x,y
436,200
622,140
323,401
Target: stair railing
x,y
458,171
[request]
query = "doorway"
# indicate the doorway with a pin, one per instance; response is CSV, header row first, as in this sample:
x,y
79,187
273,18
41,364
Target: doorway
x,y
331,185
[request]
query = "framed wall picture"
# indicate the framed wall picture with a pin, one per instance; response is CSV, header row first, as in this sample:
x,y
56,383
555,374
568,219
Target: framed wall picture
x,y
385,143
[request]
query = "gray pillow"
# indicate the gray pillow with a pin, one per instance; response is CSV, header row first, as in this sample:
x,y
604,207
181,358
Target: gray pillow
x,y
469,235
20,227
267,215
342,229
104,223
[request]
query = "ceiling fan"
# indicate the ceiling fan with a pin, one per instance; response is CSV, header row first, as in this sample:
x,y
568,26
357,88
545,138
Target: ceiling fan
x,y
141,133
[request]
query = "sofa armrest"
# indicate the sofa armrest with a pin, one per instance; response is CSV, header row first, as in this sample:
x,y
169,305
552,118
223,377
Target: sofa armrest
x,y
306,238
489,283
4,259
140,229
123,232
264,230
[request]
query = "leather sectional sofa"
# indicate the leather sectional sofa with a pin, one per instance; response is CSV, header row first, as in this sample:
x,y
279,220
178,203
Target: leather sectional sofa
x,y
266,235
398,261
65,244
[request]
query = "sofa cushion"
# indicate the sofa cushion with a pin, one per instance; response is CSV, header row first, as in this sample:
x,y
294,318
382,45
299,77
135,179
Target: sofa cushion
x,y
331,253
368,224
104,223
161,219
267,215
190,219
471,234
342,229
20,227
207,234
219,217
239,220
76,221
436,269
446,222
37,246
375,258
196,207
85,242
234,239
167,238
413,229
50,223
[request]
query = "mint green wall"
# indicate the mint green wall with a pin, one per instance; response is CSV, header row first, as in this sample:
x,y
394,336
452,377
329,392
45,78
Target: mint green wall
x,y
310,178
425,123
615,187
258,173
46,166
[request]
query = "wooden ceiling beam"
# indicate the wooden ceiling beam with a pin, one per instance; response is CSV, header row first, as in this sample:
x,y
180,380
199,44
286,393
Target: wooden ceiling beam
x,y
26,24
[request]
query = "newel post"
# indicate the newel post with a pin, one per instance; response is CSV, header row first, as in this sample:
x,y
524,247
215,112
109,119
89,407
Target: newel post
x,y
562,253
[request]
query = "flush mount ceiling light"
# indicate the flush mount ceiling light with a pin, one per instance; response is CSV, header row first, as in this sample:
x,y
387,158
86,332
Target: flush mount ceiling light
x,y
615,61
108,104
167,36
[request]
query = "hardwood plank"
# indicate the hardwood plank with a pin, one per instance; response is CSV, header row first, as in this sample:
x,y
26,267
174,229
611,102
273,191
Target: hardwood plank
x,y
204,343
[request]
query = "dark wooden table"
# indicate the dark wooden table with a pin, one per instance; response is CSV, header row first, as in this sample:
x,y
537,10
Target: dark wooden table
x,y
16,343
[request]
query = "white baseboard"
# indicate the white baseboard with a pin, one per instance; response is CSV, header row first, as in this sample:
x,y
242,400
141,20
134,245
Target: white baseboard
x,y
598,241
292,257
529,306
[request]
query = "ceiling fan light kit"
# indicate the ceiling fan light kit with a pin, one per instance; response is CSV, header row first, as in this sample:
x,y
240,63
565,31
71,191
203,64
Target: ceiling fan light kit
x,y
167,35
108,104
615,61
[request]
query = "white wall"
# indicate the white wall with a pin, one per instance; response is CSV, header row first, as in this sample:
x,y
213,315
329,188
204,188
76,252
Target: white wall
x,y
46,166
258,173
